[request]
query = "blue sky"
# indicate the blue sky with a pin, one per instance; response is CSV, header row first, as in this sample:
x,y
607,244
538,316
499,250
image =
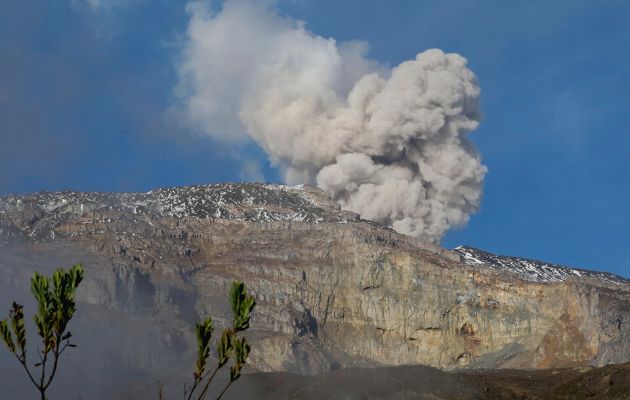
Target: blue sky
x,y
85,89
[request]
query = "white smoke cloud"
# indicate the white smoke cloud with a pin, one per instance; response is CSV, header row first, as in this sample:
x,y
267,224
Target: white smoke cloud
x,y
389,144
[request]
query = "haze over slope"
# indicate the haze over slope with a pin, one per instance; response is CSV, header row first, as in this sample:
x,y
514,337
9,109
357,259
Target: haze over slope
x,y
333,290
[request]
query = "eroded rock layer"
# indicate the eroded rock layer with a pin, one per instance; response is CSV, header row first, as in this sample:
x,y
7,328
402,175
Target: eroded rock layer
x,y
332,290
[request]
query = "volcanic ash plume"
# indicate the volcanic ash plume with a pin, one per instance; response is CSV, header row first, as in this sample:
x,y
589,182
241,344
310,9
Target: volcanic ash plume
x,y
387,143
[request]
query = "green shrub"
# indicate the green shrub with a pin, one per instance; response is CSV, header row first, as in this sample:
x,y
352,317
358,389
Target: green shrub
x,y
229,346
55,308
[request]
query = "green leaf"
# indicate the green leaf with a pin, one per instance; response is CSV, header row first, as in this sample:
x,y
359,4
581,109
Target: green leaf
x,y
242,306
41,290
7,338
224,347
65,284
203,332
17,323
241,350
235,372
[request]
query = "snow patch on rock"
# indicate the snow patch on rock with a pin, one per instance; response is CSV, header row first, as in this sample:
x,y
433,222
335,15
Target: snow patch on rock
x,y
530,270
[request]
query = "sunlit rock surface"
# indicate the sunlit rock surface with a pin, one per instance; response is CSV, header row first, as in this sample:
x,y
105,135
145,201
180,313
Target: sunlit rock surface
x,y
332,289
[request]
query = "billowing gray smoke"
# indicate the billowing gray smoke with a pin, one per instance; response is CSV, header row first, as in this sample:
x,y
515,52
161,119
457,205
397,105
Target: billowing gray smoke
x,y
387,143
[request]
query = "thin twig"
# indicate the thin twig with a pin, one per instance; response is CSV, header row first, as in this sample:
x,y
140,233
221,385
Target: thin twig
x,y
205,389
43,376
160,390
22,361
226,388
56,353
192,388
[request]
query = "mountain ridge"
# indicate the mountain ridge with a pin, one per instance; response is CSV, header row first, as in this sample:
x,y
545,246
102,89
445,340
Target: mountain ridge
x,y
333,290
251,202
530,269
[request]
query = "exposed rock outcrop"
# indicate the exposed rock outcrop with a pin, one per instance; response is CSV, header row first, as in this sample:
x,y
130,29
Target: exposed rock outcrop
x,y
333,290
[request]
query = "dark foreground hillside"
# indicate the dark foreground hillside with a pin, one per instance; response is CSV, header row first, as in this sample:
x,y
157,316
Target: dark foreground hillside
x,y
420,382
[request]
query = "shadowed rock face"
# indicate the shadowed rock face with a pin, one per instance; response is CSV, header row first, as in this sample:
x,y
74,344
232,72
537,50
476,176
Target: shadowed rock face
x,y
332,290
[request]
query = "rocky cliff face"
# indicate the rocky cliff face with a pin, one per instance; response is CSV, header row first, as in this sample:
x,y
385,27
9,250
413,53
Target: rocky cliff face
x,y
333,290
